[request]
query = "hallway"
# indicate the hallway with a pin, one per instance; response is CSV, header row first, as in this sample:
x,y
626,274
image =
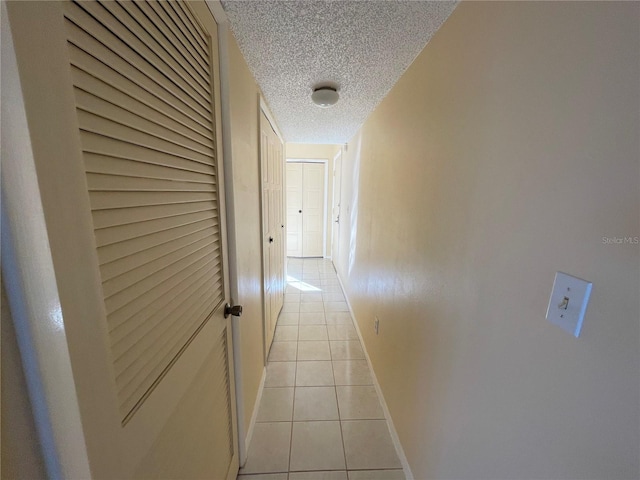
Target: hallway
x,y
319,417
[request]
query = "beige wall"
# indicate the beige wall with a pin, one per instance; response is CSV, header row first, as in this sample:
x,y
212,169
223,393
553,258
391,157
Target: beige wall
x,y
318,152
505,153
244,108
21,454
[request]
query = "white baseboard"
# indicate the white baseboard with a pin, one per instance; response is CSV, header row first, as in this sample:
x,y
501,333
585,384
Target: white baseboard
x,y
254,415
387,415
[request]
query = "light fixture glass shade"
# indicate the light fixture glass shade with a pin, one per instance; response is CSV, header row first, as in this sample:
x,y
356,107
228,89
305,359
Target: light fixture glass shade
x,y
325,96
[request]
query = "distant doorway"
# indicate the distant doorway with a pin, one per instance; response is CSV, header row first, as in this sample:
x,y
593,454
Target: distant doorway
x,y
306,208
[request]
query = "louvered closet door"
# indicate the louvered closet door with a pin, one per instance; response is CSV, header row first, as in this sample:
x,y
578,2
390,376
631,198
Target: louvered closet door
x,y
145,82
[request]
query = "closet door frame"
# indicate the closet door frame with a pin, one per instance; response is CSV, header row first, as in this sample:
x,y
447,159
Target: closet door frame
x,y
324,161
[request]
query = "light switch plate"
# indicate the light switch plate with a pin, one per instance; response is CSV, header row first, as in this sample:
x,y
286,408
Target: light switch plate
x,y
568,302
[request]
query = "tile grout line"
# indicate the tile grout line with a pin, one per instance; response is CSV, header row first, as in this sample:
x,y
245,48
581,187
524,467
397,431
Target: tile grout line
x,y
344,450
322,282
294,395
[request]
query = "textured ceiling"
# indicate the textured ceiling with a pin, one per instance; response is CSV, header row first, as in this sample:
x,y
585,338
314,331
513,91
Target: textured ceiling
x,y
361,47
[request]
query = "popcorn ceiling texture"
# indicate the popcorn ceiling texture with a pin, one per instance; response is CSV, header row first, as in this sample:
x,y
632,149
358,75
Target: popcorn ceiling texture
x,y
361,47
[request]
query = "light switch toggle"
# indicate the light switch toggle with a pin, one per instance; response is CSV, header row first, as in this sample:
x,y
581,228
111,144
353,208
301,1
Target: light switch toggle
x,y
568,302
564,304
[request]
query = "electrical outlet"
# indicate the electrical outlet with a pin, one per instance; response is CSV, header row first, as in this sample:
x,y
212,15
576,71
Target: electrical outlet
x,y
376,325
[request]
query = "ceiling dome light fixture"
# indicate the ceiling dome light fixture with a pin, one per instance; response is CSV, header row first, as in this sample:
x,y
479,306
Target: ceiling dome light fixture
x,y
325,96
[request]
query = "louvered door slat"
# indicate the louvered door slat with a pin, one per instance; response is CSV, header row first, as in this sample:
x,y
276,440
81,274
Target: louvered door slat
x,y
99,144
165,352
140,346
118,267
153,34
189,25
115,47
83,42
122,233
125,334
102,164
154,9
149,287
146,301
95,105
123,183
191,44
87,73
143,86
128,278
102,200
118,25
124,216
193,25
118,130
128,248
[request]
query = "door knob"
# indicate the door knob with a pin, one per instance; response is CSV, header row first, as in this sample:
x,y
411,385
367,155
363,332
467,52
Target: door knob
x,y
299,211
270,239
236,310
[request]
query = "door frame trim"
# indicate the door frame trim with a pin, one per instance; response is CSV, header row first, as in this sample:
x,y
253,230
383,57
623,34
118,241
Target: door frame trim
x,y
325,161
337,194
227,161
267,113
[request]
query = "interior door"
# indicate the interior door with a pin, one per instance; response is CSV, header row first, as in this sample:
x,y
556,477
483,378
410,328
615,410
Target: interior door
x,y
271,160
126,152
294,209
313,204
305,209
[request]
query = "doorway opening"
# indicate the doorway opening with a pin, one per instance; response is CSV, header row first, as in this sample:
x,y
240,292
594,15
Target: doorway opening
x,y
306,186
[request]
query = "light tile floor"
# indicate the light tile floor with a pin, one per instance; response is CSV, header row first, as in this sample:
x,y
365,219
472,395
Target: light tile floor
x,y
319,417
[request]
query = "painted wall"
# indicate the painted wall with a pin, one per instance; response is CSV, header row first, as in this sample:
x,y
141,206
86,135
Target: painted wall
x,y
318,152
244,115
508,151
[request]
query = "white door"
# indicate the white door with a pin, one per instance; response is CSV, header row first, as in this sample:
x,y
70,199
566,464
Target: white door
x,y
305,209
131,184
294,209
335,210
313,210
272,161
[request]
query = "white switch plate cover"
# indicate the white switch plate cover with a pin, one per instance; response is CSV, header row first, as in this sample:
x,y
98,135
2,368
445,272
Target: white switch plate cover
x,y
578,292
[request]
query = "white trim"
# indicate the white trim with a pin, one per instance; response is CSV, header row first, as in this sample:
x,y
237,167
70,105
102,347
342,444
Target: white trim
x,y
387,415
267,113
217,11
325,218
256,407
336,195
31,287
326,195
227,159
